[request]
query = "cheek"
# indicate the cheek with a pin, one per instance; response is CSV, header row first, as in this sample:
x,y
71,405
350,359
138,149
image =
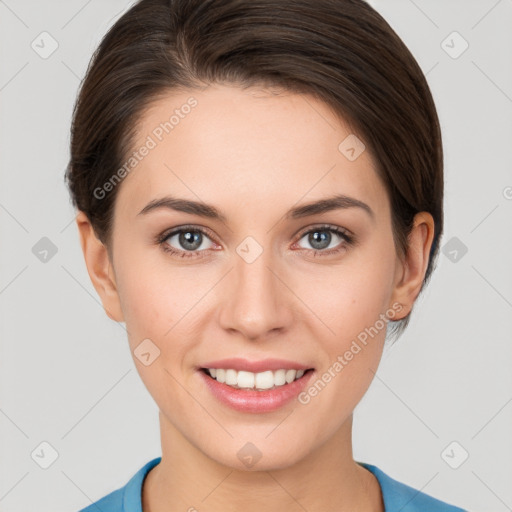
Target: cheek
x,y
352,296
351,305
154,304
141,302
162,304
151,297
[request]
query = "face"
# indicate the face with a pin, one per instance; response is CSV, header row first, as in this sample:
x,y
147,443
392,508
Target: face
x,y
249,279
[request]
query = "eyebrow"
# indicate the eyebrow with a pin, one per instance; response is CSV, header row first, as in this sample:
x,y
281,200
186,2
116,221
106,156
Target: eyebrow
x,y
201,209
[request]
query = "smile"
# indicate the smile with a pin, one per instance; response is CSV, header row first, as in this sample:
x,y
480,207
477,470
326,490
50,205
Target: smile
x,y
260,386
256,381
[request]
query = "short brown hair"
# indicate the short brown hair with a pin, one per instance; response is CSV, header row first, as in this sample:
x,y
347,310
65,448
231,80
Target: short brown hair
x,y
340,51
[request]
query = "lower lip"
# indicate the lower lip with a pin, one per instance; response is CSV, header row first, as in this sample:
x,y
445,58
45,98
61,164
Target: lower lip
x,y
256,401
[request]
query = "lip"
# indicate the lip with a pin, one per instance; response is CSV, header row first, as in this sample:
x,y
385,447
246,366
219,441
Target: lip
x,y
252,401
240,364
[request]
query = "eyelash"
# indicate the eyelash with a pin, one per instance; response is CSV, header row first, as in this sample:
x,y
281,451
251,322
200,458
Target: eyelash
x,y
348,240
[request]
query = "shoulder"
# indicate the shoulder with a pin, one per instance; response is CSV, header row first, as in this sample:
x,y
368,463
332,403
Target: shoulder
x,y
126,498
401,497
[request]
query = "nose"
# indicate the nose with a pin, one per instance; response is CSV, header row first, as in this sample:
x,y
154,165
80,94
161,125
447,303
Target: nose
x,y
255,300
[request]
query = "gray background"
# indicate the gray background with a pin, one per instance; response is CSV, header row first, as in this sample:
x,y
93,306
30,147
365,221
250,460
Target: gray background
x,y
66,374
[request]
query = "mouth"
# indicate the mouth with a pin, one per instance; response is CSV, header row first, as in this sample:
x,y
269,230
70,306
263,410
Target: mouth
x,y
255,387
251,381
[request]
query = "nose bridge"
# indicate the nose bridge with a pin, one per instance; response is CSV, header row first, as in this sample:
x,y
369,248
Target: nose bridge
x,y
256,304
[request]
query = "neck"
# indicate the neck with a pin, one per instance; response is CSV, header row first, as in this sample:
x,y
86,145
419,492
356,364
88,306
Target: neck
x,y
187,479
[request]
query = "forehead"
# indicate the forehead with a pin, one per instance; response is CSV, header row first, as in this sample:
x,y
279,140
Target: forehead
x,y
229,146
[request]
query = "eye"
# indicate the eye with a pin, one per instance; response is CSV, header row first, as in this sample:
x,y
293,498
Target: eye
x,y
192,241
322,241
186,241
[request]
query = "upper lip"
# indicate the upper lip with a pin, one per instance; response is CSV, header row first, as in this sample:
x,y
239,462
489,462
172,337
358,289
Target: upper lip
x,y
240,364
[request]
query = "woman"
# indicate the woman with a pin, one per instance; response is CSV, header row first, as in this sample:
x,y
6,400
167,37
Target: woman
x,y
259,187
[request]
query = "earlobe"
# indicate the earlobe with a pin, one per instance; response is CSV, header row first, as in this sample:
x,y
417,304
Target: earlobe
x,y
410,272
99,268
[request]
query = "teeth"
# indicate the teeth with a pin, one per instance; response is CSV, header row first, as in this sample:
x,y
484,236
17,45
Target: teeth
x,y
290,375
259,381
231,378
244,379
264,380
280,377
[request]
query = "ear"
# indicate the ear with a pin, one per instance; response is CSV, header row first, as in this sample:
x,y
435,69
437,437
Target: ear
x,y
99,268
410,272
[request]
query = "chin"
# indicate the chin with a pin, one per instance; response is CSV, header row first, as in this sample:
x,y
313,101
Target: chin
x,y
257,456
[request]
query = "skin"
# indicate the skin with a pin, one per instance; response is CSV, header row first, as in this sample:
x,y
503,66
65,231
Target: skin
x,y
254,155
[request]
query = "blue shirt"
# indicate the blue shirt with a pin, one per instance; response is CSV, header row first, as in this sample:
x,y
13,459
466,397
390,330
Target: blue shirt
x,y
397,496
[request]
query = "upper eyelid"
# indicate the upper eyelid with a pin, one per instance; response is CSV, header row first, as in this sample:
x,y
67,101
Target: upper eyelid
x,y
326,227
179,229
